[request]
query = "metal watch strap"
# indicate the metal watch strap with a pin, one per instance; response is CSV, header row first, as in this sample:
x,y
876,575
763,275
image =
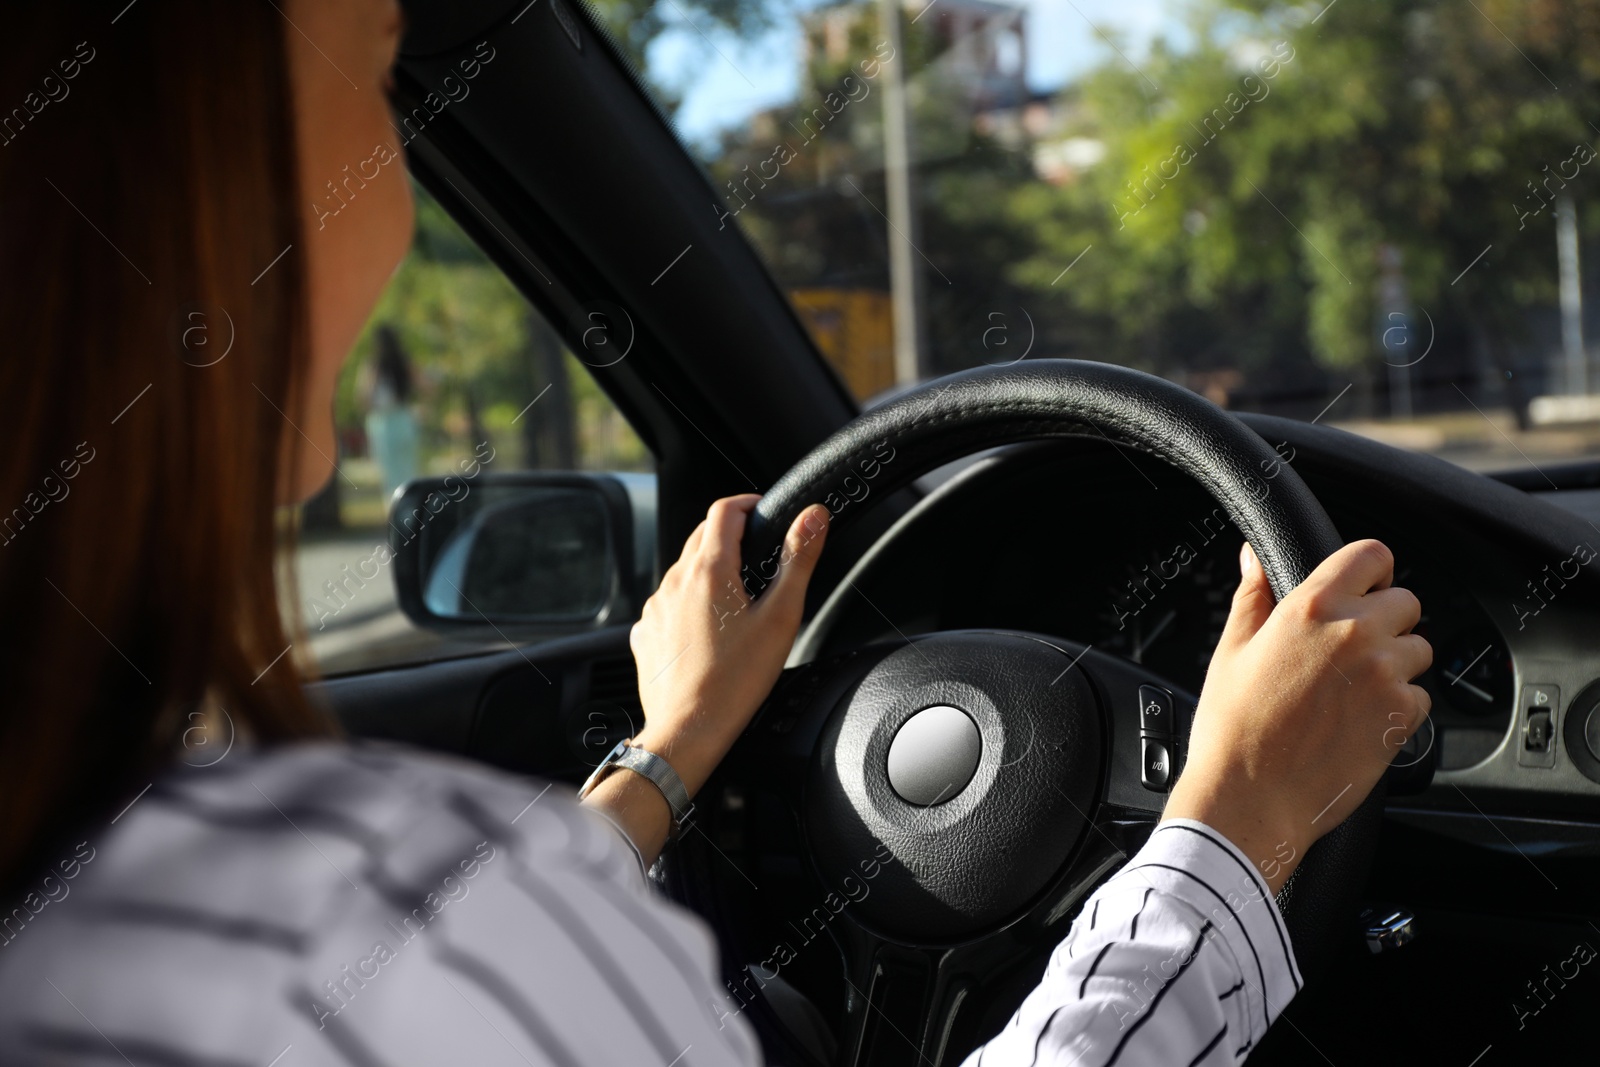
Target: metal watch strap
x,y
646,763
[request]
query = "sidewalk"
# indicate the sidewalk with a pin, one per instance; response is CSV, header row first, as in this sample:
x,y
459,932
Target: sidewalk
x,y
1485,441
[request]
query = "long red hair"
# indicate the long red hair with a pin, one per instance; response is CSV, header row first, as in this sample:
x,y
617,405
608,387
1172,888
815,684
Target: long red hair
x,y
148,225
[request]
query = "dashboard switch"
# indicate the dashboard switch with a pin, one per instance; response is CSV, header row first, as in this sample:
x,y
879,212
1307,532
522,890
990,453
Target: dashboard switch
x,y
1155,761
1155,710
1539,715
1591,731
1536,735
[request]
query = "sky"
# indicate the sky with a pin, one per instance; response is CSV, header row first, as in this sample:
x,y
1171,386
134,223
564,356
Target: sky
x,y
725,79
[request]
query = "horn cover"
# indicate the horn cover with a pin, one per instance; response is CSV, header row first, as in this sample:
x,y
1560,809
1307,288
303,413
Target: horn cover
x,y
968,863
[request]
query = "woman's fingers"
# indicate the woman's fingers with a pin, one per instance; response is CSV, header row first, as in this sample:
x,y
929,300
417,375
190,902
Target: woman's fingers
x,y
1424,705
1356,569
724,529
691,544
1252,600
1418,704
1414,655
1398,609
801,547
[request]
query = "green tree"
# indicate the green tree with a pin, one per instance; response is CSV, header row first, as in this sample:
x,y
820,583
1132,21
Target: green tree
x,y
481,355
1238,217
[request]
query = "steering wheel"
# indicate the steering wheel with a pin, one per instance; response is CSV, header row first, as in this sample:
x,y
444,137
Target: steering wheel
x,y
975,786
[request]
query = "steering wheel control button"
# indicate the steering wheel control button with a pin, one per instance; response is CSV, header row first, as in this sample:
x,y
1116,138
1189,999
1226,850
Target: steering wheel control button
x,y
1539,718
934,755
1155,763
1158,736
1155,711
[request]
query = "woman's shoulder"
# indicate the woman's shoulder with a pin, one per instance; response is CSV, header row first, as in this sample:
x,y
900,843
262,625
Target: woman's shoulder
x,y
379,802
287,837
260,880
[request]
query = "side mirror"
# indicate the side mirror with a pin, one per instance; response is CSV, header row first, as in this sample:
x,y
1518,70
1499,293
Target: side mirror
x,y
532,552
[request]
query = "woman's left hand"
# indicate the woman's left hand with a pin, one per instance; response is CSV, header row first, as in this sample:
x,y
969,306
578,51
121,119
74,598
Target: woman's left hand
x,y
708,655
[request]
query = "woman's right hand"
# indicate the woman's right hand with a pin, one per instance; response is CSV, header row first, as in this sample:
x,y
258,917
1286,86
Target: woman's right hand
x,y
1304,705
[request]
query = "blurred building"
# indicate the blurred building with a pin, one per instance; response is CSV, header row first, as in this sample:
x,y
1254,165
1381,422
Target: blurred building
x,y
981,45
854,329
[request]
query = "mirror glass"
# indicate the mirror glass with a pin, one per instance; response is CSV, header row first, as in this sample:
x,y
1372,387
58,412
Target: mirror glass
x,y
520,553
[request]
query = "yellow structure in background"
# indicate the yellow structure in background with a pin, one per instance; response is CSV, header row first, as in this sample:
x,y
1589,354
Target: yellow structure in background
x,y
855,330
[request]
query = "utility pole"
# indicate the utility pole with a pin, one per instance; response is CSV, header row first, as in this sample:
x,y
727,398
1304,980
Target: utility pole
x,y
905,274
1396,337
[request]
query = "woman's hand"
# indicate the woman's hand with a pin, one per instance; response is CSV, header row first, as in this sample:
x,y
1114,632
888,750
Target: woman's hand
x,y
707,656
1304,706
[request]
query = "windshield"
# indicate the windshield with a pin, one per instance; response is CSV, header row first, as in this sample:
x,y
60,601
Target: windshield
x,y
1373,214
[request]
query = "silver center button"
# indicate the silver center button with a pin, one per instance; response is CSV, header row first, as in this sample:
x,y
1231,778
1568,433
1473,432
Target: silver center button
x,y
934,755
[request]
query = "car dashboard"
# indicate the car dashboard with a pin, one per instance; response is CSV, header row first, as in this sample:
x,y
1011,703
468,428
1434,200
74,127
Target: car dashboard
x,y
1095,543
1491,837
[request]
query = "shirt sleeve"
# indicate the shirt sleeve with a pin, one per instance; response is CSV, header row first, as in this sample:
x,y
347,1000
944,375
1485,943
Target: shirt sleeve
x,y
1180,958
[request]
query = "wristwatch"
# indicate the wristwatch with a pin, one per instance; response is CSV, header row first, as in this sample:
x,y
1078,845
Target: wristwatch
x,y
643,761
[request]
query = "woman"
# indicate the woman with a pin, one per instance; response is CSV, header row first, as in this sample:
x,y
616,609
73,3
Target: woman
x,y
391,425
178,302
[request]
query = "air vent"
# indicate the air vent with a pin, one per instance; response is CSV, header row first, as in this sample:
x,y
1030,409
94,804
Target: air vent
x,y
614,680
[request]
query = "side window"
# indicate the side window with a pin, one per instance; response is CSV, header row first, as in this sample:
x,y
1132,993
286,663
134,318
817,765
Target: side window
x,y
454,368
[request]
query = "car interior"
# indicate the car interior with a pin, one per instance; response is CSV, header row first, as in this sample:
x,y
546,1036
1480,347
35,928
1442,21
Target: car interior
x,y
1024,524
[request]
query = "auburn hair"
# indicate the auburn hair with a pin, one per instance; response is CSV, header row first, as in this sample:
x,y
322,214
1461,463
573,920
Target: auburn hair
x,y
153,301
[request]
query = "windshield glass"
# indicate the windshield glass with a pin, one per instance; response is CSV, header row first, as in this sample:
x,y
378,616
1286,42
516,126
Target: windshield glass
x,y
1369,213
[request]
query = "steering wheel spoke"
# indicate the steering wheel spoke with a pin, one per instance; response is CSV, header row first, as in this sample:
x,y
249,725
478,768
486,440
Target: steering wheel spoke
x,y
904,1003
927,1006
887,1002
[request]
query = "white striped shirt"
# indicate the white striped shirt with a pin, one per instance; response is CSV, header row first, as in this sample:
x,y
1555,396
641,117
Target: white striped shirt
x,y
361,905
1180,958
365,905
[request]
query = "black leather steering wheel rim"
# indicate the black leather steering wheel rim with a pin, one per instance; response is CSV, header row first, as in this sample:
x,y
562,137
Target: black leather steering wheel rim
x,y
965,412
945,419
